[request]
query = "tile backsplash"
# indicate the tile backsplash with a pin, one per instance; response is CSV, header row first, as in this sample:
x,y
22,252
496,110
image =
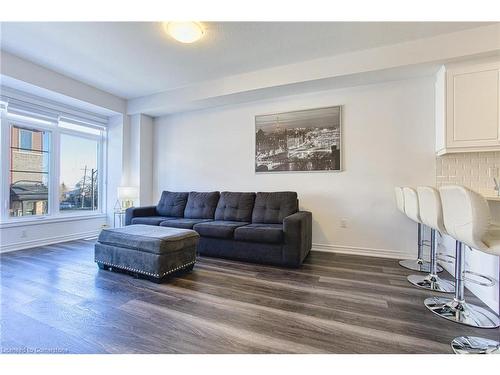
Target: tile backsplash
x,y
472,169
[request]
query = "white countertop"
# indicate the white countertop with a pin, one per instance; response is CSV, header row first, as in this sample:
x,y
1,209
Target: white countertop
x,y
492,198
490,195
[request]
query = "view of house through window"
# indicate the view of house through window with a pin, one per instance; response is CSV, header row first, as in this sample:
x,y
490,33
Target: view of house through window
x,y
78,189
54,167
29,171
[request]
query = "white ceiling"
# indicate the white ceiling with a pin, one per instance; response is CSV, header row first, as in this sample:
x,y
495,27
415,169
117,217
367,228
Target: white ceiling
x,y
133,59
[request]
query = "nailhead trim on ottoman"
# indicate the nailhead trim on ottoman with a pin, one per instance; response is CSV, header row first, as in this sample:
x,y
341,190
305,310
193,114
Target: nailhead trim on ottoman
x,y
144,272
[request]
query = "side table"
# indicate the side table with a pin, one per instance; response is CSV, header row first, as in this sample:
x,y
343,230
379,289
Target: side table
x,y
119,219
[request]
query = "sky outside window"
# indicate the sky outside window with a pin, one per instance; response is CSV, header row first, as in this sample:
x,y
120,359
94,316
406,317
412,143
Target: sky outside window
x,y
78,173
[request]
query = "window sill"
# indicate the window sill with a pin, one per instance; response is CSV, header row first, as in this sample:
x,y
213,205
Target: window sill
x,y
49,220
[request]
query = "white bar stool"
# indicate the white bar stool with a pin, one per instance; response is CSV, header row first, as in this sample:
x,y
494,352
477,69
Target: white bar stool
x,y
466,219
411,210
431,215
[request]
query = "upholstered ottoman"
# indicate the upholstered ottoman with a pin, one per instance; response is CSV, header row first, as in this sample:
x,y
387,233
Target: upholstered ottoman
x,y
149,251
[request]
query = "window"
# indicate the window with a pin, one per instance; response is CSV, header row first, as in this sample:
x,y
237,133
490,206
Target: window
x,y
29,172
25,139
51,167
79,174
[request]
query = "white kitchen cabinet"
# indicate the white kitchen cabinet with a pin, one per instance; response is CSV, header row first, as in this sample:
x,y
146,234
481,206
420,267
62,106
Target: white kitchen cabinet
x,y
467,108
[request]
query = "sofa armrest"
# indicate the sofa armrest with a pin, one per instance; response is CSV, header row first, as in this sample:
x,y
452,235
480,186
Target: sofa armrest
x,y
298,237
132,212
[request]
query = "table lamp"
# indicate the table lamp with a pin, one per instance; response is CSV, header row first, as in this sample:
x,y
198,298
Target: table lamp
x,y
127,194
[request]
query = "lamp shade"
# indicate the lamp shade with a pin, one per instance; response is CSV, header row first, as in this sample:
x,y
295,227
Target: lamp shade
x,y
127,192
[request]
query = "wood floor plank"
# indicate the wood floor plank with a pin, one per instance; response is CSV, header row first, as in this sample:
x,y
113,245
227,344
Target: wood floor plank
x,y
54,297
322,333
23,334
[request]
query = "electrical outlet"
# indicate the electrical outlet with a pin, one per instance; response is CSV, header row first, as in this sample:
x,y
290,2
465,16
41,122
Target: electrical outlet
x,y
343,223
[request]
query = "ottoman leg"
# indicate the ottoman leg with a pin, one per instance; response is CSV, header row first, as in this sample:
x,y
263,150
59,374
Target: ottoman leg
x,y
189,268
102,266
158,280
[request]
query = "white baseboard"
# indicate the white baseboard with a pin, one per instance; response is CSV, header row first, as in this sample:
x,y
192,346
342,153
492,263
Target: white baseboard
x,y
352,250
47,241
363,251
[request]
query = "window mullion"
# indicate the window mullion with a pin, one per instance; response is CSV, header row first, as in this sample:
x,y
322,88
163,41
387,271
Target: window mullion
x,y
102,175
4,159
55,173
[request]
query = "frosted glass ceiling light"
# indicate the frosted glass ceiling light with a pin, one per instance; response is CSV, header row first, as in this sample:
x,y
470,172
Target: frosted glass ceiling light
x,y
184,32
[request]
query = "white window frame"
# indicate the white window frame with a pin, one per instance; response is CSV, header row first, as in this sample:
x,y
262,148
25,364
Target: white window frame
x,y
100,167
53,212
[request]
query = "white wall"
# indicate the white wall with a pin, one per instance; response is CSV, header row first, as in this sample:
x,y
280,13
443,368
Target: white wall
x,y
39,233
140,157
17,68
115,162
146,165
388,140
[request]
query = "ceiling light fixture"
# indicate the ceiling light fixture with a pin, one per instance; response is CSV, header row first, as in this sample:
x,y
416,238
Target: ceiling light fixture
x,y
184,32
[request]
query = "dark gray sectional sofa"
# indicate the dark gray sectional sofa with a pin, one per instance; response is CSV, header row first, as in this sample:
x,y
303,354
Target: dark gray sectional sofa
x,y
256,227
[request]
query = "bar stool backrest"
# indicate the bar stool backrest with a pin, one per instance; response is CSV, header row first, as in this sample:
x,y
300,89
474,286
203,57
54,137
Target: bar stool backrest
x,y
411,204
400,199
466,215
431,212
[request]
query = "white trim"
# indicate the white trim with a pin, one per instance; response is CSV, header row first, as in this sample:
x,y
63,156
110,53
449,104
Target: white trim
x,y
35,104
363,251
47,219
48,241
4,165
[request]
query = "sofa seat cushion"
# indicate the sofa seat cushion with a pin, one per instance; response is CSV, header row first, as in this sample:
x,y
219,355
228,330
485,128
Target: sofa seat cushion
x,y
201,205
235,206
272,208
268,233
172,204
151,239
149,220
218,228
183,223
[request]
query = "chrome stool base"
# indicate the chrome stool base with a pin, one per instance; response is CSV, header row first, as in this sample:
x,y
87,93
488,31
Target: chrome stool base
x,y
462,312
475,345
434,283
418,265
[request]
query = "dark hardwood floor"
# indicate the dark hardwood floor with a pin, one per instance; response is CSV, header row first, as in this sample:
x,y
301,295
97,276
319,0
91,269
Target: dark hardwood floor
x,y
55,300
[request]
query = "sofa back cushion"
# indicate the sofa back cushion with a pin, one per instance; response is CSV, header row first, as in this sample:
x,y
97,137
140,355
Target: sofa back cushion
x,y
272,208
235,206
172,204
201,205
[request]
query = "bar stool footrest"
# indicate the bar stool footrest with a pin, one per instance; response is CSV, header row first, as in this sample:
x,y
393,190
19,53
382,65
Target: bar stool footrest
x,y
489,281
442,258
